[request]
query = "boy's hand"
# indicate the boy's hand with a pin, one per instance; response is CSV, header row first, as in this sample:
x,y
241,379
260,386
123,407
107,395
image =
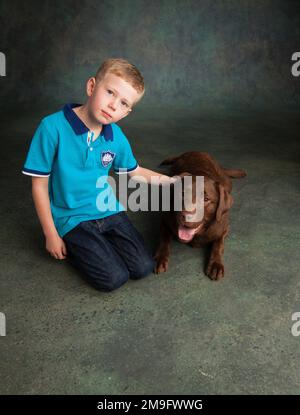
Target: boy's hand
x,y
174,179
56,246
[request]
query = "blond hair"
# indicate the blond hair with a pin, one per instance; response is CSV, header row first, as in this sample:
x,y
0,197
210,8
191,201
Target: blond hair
x,y
123,69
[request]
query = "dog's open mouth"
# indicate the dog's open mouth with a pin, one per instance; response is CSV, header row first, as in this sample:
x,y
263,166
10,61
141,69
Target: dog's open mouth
x,y
186,234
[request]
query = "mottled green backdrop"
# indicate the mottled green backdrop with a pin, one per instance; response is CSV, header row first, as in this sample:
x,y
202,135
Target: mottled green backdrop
x,y
215,54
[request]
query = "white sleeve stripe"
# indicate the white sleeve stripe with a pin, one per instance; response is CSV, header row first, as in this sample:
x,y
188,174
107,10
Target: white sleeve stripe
x,y
35,175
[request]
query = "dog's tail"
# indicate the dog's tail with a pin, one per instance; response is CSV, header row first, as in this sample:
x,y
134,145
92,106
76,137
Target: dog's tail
x,y
235,173
169,161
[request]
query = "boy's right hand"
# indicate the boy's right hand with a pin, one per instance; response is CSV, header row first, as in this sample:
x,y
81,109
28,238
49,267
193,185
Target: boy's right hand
x,y
56,246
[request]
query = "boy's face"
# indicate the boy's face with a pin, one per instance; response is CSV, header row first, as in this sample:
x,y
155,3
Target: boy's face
x,y
110,99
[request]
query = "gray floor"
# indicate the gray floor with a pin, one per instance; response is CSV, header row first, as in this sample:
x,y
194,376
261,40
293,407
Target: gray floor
x,y
176,333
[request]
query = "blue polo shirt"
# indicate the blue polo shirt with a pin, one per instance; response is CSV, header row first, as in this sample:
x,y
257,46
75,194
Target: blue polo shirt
x,y
63,149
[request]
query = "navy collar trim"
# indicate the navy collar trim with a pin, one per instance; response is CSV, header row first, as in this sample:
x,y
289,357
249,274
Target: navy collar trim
x,y
80,128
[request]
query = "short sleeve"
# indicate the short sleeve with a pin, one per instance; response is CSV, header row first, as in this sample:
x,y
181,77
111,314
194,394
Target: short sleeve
x,y
41,153
124,161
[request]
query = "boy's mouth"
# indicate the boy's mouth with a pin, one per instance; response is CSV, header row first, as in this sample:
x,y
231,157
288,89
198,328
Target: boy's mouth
x,y
106,115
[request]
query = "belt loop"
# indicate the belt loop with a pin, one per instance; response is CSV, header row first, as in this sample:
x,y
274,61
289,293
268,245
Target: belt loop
x,y
99,223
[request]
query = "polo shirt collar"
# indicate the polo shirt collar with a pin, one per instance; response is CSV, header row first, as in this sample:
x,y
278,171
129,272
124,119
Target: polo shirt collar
x,y
80,128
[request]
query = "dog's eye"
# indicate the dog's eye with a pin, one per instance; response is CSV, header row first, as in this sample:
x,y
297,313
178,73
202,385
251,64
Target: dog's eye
x,y
206,199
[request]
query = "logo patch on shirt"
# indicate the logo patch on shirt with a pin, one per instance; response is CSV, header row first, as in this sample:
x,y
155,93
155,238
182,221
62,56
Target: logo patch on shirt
x,y
107,157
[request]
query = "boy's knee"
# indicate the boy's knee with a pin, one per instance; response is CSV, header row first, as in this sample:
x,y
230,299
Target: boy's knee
x,y
143,269
100,280
110,283
115,284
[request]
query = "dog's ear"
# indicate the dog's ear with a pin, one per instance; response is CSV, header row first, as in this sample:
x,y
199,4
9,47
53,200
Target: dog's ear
x,y
225,202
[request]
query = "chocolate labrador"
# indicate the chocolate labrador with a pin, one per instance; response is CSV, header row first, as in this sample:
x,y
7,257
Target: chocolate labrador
x,y
214,225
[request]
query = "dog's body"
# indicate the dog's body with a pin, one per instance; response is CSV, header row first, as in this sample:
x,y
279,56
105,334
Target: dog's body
x,y
214,226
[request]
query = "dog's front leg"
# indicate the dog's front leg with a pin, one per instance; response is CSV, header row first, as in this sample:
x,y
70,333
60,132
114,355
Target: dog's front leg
x,y
215,268
162,253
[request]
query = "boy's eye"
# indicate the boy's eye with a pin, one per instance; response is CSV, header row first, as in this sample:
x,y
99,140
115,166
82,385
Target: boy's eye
x,y
110,91
125,104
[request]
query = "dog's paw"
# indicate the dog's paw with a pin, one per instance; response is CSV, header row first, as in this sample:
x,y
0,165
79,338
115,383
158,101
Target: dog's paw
x,y
215,270
162,265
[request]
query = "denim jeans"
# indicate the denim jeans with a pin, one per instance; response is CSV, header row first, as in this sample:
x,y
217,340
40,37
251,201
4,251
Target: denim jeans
x,y
108,251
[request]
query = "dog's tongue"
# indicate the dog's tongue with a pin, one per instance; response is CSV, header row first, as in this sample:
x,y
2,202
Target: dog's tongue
x,y
186,234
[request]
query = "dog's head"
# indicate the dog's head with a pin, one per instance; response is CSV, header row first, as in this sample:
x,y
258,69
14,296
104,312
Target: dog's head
x,y
215,199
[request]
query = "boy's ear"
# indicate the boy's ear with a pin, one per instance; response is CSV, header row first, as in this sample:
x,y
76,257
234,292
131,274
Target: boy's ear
x,y
127,113
90,85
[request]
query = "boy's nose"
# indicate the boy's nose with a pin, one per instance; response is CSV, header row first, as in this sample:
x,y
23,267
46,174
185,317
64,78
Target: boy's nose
x,y
113,105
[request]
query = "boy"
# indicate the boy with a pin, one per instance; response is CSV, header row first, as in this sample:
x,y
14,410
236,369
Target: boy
x,y
69,151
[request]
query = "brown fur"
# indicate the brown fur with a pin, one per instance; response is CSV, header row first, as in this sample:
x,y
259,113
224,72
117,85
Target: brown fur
x,y
214,226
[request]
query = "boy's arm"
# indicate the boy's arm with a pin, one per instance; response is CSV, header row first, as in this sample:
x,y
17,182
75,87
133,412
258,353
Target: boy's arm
x,y
54,243
147,174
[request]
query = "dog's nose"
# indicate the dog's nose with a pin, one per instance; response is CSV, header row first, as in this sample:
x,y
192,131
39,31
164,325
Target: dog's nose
x,y
186,215
188,212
